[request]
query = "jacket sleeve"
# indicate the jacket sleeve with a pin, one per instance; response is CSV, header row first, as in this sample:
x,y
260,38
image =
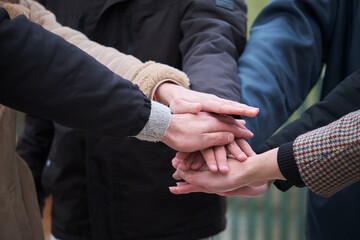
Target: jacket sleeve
x,y
328,158
44,75
283,60
214,35
343,99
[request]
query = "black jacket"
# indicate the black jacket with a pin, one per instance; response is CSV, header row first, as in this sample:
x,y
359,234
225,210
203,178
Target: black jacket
x,y
118,189
44,75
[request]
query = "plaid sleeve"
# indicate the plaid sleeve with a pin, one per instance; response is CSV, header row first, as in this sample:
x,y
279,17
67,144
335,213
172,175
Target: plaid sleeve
x,y
328,158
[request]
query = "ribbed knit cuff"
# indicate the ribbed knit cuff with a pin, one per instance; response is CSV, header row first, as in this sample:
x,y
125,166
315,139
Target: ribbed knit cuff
x,y
287,164
158,123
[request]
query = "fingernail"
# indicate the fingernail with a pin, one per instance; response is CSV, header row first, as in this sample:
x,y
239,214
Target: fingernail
x,y
242,156
181,172
224,169
213,168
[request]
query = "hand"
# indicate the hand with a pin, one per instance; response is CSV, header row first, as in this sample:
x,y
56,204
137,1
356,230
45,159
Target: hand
x,y
182,100
214,157
255,171
246,191
192,132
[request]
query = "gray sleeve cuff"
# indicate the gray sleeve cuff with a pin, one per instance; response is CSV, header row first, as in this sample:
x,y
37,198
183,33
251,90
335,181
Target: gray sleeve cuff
x,y
157,125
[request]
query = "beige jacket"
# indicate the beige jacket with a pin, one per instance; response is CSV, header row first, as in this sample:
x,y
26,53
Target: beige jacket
x,y
19,211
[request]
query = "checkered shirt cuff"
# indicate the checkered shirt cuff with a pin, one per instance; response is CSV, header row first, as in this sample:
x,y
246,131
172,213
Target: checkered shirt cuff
x,y
328,158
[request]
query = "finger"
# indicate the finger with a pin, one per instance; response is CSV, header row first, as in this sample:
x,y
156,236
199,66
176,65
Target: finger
x,y
236,151
239,124
176,175
221,159
246,148
243,133
223,106
242,121
175,162
216,139
183,106
209,157
230,120
181,183
198,163
185,165
182,155
197,178
183,188
229,124
186,160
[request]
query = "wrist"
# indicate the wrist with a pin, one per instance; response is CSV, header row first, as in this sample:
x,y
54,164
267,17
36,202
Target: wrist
x,y
259,169
274,168
169,137
157,125
164,92
269,165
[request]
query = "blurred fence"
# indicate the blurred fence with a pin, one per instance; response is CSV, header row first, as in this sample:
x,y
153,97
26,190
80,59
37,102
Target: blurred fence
x,y
276,215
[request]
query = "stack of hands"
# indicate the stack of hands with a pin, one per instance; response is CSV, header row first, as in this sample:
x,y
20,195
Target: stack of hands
x,y
214,156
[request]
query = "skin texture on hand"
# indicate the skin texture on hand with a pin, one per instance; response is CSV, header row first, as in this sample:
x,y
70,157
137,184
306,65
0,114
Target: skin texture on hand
x,y
246,191
214,157
248,178
192,132
182,100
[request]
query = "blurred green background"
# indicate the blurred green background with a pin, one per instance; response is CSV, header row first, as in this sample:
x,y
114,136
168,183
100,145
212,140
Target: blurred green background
x,y
254,7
